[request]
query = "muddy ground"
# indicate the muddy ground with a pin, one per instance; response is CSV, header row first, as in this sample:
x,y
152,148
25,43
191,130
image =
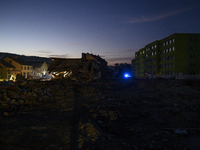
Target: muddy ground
x,y
106,115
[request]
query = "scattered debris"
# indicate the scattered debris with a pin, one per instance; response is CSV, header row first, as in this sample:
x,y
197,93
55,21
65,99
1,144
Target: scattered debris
x,y
142,114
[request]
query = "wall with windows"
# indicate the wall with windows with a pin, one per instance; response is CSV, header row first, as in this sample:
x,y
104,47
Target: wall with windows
x,y
174,55
26,70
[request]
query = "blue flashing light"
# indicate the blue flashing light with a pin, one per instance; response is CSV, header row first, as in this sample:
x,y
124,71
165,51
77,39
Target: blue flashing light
x,y
126,75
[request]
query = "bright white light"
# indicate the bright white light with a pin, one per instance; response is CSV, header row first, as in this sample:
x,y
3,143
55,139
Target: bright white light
x,y
126,75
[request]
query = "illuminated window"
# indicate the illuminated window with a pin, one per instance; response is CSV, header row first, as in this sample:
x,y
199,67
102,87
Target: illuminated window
x,y
173,48
143,52
152,53
170,41
173,40
155,46
167,43
170,49
152,47
146,55
163,44
166,50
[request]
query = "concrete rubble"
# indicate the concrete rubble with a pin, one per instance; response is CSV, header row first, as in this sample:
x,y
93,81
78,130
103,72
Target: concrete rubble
x,y
108,114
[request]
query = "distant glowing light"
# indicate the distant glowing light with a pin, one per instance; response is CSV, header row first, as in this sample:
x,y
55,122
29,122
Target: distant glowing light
x,y
126,75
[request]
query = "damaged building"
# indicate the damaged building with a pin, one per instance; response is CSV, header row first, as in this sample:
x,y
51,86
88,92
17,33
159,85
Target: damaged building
x,y
76,69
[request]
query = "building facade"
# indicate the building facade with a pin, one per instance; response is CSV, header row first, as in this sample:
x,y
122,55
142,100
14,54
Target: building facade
x,y
6,70
21,66
40,68
174,56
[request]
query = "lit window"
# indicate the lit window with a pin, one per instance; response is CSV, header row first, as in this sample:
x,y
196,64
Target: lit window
x,y
143,52
170,49
170,41
173,48
146,55
166,50
155,46
152,47
163,44
173,40
167,43
146,49
152,53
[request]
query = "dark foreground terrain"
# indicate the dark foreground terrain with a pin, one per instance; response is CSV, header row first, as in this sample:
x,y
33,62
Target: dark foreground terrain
x,y
106,115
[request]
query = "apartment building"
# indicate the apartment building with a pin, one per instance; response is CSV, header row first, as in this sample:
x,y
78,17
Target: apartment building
x,y
174,56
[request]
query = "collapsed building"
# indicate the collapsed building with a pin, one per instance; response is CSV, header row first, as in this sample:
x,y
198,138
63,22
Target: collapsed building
x,y
76,69
89,67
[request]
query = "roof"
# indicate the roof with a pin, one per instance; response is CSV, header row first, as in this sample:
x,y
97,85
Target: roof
x,y
36,64
19,60
98,58
6,64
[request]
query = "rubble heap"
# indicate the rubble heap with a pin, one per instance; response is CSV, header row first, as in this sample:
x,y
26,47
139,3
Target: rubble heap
x,y
120,114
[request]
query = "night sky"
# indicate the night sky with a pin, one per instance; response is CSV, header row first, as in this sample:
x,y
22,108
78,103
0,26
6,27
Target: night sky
x,y
113,29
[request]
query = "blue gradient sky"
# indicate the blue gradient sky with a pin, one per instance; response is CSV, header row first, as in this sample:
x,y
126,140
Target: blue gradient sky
x,y
113,29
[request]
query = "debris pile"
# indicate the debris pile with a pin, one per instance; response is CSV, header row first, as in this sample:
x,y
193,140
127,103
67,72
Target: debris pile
x,y
76,69
24,95
134,114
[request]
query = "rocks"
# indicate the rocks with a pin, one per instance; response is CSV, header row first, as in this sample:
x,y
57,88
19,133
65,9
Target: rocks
x,y
156,115
24,93
179,131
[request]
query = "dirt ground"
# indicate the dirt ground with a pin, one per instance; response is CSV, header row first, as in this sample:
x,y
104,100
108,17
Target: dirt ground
x,y
106,115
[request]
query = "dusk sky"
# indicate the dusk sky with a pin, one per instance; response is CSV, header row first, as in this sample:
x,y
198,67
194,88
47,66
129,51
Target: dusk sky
x,y
113,29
